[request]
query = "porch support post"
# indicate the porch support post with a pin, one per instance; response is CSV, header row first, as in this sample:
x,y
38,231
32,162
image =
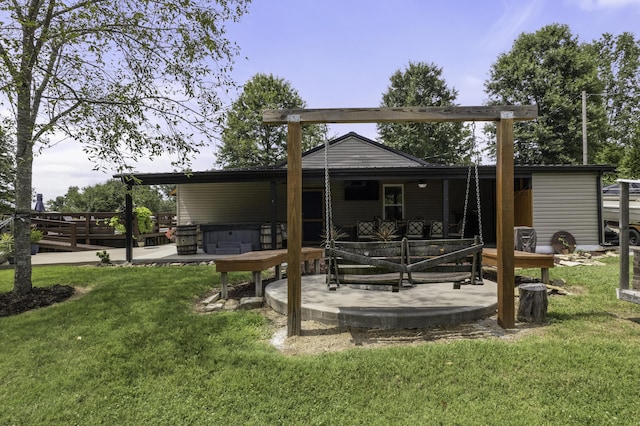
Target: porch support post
x,y
445,208
128,221
274,216
294,225
505,211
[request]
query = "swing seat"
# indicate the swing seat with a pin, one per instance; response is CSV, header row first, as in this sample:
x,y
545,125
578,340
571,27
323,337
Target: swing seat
x,y
456,260
379,262
423,262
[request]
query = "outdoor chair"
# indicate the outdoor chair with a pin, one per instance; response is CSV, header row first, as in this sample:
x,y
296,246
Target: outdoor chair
x,y
415,229
436,230
455,230
366,230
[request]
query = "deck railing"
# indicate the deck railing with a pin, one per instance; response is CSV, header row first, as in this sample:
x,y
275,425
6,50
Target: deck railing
x,y
93,227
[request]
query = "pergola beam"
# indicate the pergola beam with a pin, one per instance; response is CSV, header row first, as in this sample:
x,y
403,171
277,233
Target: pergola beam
x,y
400,115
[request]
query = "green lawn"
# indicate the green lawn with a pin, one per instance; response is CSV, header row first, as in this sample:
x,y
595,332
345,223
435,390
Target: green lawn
x,y
132,351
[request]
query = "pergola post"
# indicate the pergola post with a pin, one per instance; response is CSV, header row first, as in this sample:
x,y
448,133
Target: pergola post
x,y
505,210
294,225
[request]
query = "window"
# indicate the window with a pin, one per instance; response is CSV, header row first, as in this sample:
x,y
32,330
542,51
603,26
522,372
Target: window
x,y
393,207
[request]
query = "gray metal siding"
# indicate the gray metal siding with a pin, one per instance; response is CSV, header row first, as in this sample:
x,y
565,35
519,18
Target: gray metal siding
x,y
224,203
354,153
565,202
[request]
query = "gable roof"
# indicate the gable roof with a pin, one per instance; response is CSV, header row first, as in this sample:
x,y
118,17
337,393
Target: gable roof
x,y
355,151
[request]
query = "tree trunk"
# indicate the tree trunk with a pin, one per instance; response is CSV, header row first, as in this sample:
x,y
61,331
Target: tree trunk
x,y
24,168
533,303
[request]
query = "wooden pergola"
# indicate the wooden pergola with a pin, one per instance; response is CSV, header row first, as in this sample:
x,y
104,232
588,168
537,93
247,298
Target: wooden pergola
x,y
504,116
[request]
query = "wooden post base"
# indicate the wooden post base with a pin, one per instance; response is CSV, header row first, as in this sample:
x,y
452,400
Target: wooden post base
x,y
533,303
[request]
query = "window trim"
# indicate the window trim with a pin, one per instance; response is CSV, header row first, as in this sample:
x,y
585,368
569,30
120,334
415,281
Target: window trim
x,y
384,199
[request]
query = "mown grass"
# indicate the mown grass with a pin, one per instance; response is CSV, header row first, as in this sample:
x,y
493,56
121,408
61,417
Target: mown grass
x,y
132,351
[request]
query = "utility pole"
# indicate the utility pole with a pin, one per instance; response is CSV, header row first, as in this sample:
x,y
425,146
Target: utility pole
x,y
584,127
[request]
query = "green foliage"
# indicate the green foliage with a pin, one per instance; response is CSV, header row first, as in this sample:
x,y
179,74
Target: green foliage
x,y
110,196
335,235
422,84
35,236
142,216
619,70
7,167
116,224
105,259
7,241
7,244
549,68
127,80
246,142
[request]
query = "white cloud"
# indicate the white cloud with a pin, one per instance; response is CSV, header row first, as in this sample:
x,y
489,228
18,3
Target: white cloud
x,y
510,24
57,168
605,4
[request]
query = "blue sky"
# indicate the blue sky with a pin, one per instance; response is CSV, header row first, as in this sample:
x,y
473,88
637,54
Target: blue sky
x,y
341,53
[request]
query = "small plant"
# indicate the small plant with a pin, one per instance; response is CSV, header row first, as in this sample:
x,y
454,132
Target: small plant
x,y
386,235
143,216
336,234
104,257
35,236
7,244
115,223
145,223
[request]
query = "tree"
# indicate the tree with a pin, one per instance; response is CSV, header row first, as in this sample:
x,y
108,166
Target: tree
x,y
422,84
549,68
619,70
110,197
249,143
125,78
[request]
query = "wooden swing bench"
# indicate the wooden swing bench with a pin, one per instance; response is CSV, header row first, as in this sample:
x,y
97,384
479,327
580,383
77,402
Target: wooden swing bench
x,y
404,263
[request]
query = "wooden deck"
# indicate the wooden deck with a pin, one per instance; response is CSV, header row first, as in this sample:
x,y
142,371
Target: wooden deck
x,y
66,246
258,261
91,231
522,259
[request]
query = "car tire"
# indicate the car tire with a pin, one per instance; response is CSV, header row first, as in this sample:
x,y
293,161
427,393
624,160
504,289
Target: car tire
x,y
634,237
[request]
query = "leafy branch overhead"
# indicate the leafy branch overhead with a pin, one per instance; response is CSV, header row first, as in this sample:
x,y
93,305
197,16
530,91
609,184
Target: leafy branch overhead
x,y
246,142
126,79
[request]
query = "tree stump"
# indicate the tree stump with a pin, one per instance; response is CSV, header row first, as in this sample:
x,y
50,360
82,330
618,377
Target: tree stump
x,y
533,303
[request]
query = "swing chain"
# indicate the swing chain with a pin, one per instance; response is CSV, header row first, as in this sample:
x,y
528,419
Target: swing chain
x,y
477,152
466,204
327,197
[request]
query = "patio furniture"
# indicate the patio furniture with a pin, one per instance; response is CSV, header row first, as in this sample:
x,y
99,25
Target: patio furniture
x,y
258,261
436,230
366,230
455,230
415,229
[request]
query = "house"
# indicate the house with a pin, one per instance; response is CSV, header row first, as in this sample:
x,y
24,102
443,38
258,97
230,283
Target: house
x,y
243,209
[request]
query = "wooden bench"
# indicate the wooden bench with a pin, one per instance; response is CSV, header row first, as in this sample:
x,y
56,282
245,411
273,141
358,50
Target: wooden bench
x,y
258,261
371,262
522,259
388,262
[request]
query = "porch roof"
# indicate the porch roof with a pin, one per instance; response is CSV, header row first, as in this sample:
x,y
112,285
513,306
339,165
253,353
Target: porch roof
x,y
382,173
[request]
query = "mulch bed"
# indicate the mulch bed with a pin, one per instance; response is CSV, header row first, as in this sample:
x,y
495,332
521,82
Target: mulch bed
x,y
13,303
